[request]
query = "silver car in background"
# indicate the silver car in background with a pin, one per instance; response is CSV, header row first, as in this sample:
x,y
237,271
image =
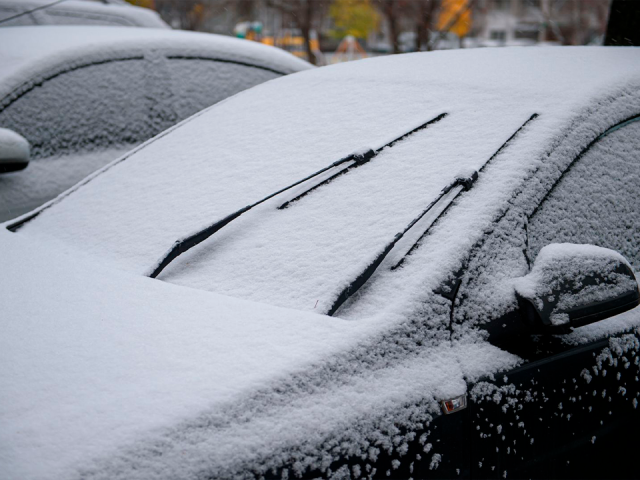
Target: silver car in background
x,y
82,96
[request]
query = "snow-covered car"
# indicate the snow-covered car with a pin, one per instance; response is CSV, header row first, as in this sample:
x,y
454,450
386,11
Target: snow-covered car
x,y
422,266
15,13
82,96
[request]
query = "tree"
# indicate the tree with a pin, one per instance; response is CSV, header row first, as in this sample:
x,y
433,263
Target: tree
x,y
391,10
623,28
307,14
353,17
424,13
185,14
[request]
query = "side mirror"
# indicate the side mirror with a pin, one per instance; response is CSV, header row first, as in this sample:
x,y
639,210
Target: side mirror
x,y
14,151
573,285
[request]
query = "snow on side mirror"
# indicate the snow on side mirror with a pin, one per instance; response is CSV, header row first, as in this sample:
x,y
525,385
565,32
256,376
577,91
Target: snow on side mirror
x,y
573,285
14,151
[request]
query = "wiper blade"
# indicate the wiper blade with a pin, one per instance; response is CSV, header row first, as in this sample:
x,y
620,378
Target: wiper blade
x,y
186,243
462,182
444,210
362,160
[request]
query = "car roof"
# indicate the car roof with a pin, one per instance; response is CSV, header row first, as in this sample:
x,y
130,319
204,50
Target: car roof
x,y
263,139
78,12
28,53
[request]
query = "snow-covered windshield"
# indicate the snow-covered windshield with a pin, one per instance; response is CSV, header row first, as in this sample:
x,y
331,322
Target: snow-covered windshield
x,y
247,147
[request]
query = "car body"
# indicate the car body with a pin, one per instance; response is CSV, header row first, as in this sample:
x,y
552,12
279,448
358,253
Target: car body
x,y
227,364
15,13
82,96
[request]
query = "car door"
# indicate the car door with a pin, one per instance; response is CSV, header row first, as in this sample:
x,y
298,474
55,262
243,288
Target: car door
x,y
570,409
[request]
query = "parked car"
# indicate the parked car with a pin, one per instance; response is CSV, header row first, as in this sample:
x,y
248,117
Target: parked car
x,y
422,266
77,12
82,96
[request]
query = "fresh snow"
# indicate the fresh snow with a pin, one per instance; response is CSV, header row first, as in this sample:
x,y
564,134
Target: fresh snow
x,y
302,256
43,179
224,365
80,12
118,359
29,52
80,92
557,263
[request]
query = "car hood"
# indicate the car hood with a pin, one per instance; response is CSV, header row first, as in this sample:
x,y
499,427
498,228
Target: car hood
x,y
98,364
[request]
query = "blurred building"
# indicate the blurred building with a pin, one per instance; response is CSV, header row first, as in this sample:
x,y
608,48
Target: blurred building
x,y
525,22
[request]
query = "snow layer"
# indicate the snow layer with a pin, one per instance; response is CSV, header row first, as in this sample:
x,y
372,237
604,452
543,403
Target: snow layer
x,y
27,53
209,402
76,89
72,12
168,351
138,366
597,201
302,256
561,277
44,178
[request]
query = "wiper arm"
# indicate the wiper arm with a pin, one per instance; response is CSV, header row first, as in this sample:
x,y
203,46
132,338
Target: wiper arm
x,y
461,183
364,159
444,210
186,243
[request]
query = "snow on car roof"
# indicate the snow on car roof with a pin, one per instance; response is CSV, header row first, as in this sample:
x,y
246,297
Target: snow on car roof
x,y
245,148
108,374
29,52
78,11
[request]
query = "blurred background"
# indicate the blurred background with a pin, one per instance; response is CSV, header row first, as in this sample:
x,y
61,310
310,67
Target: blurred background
x,y
331,31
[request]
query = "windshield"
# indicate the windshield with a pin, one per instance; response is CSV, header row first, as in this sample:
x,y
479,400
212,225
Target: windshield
x,y
302,256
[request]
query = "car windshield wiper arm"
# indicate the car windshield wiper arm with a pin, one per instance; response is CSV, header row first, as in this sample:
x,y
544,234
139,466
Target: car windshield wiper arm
x,y
444,210
372,154
186,243
462,182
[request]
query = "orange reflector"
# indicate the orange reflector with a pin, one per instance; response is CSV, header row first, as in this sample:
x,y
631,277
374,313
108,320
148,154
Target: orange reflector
x,y
453,405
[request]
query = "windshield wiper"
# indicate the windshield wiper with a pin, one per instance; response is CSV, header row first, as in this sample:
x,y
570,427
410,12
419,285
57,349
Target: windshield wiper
x,y
462,182
359,158
364,159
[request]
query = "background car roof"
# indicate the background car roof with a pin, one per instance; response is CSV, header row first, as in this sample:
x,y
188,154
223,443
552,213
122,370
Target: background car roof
x,y
81,12
27,53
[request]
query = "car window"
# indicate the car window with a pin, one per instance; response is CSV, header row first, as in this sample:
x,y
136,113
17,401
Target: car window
x,y
199,81
61,16
8,11
97,105
597,200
